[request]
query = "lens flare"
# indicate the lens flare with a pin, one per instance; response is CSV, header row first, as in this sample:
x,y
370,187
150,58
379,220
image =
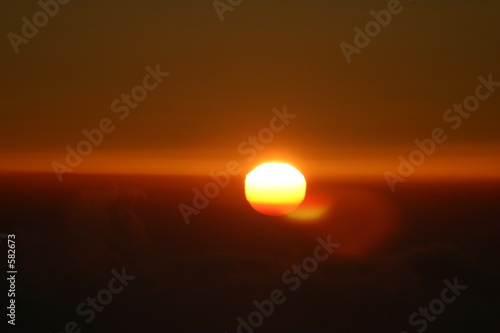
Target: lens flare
x,y
275,188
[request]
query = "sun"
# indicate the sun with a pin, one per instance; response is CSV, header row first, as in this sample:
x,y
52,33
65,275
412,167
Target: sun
x,y
275,188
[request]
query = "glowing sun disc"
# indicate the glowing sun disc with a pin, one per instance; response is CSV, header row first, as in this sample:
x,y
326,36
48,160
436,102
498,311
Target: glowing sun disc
x,y
275,188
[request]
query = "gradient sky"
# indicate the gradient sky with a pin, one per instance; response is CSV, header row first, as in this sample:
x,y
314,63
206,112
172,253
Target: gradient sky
x,y
226,77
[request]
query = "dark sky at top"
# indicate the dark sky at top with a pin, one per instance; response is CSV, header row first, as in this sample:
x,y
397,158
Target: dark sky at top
x,y
226,77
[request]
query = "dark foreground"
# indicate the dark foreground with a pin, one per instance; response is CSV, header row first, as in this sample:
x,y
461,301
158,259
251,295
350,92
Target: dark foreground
x,y
113,254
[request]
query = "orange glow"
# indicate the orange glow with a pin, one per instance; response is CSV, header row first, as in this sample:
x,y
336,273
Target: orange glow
x,y
362,220
453,161
275,188
312,209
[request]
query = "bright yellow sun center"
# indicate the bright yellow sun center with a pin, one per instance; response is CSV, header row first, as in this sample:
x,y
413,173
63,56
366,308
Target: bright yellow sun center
x,y
275,188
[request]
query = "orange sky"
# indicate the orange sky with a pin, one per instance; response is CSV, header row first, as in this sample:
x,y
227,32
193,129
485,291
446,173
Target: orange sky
x,y
226,77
